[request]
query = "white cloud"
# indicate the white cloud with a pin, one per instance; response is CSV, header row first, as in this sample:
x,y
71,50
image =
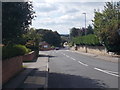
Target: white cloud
x,y
63,16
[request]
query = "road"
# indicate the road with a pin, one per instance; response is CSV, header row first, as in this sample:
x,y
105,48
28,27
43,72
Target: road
x,y
68,69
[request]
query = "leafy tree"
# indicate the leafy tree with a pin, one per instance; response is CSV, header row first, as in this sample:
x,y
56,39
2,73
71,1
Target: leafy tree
x,y
74,32
53,38
31,39
16,18
89,30
106,24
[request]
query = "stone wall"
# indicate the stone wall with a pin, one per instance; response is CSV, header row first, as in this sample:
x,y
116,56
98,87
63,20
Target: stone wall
x,y
10,67
100,50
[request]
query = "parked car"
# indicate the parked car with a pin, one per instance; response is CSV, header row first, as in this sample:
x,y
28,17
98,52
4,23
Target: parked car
x,y
57,48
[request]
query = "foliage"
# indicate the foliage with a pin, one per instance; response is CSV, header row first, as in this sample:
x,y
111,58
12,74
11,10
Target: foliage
x,y
74,32
14,50
31,39
64,38
90,30
90,39
16,18
106,24
51,37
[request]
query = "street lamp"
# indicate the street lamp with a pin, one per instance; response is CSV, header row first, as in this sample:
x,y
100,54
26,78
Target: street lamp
x,y
85,32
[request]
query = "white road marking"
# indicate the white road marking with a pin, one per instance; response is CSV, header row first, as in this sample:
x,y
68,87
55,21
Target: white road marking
x,y
73,59
67,56
64,54
112,72
106,72
82,63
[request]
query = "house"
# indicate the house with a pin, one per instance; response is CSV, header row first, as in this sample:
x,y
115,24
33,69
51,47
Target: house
x,y
44,46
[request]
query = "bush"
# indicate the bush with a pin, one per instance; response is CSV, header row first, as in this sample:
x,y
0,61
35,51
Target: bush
x,y
14,50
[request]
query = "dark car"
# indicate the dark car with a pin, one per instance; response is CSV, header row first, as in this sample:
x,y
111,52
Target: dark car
x,y
57,48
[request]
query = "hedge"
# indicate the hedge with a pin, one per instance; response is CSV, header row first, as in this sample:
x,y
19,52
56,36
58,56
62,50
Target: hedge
x,y
13,50
90,39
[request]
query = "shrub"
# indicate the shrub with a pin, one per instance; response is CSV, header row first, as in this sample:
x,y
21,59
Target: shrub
x,y
14,50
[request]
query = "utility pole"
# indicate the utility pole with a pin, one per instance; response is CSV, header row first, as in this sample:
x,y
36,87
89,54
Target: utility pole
x,y
85,32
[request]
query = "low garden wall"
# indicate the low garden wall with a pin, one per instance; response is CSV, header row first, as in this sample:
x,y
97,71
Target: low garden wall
x,y
30,56
11,67
100,50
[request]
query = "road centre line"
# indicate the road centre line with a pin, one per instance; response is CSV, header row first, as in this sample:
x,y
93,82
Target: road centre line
x,y
73,59
98,69
67,56
63,53
82,63
107,72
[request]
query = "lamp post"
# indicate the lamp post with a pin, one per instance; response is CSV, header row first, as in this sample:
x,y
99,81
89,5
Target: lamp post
x,y
85,32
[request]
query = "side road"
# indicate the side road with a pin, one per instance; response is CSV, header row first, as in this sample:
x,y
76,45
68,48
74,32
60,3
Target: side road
x,y
103,57
35,74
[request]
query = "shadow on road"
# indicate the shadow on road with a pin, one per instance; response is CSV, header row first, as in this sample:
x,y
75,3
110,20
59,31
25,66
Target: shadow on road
x,y
57,80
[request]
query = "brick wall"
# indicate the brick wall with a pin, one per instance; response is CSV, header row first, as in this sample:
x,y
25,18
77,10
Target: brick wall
x,y
10,67
30,56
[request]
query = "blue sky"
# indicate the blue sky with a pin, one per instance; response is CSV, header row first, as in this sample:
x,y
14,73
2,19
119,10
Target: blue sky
x,y
62,16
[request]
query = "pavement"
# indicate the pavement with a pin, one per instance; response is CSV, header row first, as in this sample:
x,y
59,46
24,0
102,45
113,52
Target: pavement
x,y
34,75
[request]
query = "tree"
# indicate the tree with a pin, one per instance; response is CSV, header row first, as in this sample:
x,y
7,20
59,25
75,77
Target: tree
x,y
74,32
16,18
52,38
32,37
106,25
89,30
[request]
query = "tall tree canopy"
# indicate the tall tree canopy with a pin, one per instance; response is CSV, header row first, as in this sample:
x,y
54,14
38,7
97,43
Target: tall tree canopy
x,y
90,30
16,18
74,32
107,24
53,38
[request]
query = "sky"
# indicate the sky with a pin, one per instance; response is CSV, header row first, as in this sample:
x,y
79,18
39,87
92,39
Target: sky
x,y
62,15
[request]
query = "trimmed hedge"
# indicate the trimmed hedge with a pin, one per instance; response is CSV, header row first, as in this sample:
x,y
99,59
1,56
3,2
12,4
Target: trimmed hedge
x,y
13,50
90,39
